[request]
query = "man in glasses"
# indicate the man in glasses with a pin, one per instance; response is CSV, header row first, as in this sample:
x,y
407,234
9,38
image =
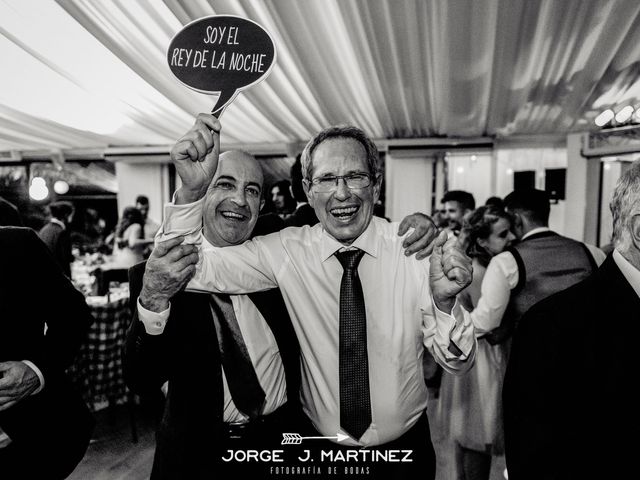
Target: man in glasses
x,y
363,310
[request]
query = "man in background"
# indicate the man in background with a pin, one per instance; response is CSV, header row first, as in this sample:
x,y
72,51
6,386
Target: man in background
x,y
55,234
540,264
150,227
457,204
569,395
303,214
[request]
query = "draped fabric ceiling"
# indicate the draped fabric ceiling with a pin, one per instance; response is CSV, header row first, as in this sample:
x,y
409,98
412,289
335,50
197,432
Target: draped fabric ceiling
x,y
92,74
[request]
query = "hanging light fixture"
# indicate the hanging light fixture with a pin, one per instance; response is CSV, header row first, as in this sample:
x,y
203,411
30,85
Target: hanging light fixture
x,y
604,118
61,187
38,190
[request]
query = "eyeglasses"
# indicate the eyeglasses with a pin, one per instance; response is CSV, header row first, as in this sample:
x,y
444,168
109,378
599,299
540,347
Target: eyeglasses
x,y
330,183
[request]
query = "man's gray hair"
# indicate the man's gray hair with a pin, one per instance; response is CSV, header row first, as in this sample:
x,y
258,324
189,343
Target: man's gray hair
x,y
340,131
625,204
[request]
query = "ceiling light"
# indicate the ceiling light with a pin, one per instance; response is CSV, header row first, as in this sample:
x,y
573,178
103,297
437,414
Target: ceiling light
x,y
38,191
625,114
604,118
61,187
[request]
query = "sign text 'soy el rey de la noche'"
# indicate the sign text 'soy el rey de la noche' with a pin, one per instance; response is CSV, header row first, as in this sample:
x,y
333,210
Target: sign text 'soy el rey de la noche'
x,y
221,54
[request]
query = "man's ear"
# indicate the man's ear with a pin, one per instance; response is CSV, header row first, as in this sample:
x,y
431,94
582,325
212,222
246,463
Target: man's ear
x,y
635,231
262,202
308,191
377,186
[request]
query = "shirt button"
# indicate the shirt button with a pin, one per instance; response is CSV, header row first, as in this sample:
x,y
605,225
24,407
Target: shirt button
x,y
158,324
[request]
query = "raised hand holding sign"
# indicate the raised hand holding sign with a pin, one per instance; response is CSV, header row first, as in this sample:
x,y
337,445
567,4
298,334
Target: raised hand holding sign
x,y
221,54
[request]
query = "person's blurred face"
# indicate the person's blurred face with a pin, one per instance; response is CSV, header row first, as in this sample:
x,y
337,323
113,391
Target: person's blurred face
x,y
454,213
440,217
144,209
233,201
344,213
499,239
277,197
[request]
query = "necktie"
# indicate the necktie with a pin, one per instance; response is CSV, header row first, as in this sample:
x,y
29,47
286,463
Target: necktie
x,y
244,386
355,401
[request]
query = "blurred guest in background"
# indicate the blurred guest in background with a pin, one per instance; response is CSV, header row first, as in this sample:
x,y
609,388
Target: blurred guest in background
x,y
457,204
470,404
283,202
9,215
45,426
439,217
568,392
150,227
540,264
495,201
130,242
304,213
55,234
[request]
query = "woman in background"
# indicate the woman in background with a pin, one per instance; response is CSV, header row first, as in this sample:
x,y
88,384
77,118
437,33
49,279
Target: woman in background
x,y
129,243
470,404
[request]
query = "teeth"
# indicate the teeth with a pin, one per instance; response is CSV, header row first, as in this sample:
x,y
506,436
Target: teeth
x,y
232,215
344,211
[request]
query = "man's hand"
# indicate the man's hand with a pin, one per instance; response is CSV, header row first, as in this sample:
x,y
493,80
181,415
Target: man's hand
x,y
450,272
17,381
195,157
421,240
169,268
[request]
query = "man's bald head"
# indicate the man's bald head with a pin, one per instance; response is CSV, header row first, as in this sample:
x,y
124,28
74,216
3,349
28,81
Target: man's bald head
x,y
234,199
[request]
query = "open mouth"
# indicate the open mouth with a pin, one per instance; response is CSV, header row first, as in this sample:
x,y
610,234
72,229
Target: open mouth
x,y
233,216
344,213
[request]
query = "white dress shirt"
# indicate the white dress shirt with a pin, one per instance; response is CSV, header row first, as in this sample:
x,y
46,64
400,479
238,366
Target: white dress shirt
x,y
500,278
399,308
631,273
261,346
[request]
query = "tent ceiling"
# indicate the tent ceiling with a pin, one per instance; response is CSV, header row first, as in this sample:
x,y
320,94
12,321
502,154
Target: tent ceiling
x,y
88,73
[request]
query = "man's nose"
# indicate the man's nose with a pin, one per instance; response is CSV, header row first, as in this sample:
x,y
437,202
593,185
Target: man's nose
x,y
240,198
342,190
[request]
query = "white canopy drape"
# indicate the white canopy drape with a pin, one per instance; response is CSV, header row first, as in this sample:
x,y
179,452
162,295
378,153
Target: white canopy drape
x,y
88,73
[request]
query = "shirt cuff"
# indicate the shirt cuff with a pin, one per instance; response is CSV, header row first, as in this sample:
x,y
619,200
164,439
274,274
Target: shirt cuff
x,y
154,322
38,373
461,343
180,220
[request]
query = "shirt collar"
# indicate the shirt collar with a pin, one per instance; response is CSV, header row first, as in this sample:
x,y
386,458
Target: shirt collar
x,y
534,231
368,242
631,273
58,222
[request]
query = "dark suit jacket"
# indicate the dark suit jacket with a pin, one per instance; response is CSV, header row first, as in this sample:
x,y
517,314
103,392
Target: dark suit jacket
x,y
187,355
303,215
50,430
568,401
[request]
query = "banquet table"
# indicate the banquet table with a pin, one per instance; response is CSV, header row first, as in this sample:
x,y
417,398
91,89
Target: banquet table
x,y
97,371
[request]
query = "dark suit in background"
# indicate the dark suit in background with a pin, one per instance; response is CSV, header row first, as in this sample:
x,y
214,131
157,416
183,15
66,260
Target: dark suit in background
x,y
191,431
568,401
50,430
303,215
59,242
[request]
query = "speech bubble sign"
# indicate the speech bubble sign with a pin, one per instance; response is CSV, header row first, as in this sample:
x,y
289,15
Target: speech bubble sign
x,y
222,54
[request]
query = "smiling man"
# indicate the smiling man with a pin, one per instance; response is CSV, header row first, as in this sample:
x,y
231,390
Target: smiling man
x,y
209,408
363,310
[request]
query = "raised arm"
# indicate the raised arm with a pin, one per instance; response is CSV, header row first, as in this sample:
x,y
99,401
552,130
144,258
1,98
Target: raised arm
x,y
448,333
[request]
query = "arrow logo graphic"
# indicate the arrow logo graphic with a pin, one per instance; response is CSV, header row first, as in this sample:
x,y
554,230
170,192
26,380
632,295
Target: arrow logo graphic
x,y
296,438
